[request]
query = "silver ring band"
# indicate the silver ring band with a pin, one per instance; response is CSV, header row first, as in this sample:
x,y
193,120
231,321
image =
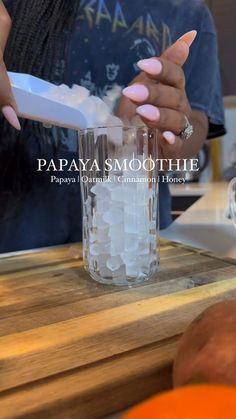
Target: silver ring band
x,y
188,130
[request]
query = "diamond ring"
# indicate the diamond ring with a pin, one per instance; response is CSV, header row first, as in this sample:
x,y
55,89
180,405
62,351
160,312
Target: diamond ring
x,y
188,130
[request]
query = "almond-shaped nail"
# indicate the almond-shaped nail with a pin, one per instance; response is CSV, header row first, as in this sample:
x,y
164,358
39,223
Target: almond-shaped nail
x,y
188,37
169,137
151,66
136,92
149,112
11,116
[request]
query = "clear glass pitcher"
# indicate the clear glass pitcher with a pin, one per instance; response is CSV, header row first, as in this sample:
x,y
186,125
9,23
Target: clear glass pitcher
x,y
232,200
119,183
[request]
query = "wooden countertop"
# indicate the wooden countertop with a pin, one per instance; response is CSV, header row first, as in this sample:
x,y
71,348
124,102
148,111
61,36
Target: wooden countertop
x,y
72,348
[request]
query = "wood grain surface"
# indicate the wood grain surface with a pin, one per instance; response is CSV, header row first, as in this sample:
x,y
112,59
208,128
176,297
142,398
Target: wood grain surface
x,y
73,348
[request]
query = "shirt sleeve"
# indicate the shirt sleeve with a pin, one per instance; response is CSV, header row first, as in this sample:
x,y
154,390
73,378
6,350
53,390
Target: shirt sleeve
x,y
203,81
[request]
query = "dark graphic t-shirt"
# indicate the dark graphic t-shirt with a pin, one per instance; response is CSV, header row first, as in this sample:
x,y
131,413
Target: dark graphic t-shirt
x,y
109,37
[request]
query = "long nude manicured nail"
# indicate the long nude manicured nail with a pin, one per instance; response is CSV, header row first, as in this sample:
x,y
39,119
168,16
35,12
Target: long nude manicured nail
x,y
11,116
169,137
188,37
136,92
148,112
151,66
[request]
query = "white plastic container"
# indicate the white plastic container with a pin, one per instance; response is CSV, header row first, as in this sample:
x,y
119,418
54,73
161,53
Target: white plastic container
x,y
29,92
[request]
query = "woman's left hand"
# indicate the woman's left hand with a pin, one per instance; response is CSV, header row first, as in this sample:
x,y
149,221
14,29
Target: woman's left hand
x,y
158,95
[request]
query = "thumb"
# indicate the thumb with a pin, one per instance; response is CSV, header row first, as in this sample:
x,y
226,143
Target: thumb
x,y
179,51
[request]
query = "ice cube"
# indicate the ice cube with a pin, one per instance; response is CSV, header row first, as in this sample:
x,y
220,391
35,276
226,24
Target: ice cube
x,y
116,234
119,276
129,258
139,211
104,247
111,184
143,228
144,248
80,92
111,96
73,101
101,206
64,90
105,272
113,216
133,271
102,259
116,230
94,249
98,221
131,242
56,96
99,190
92,237
114,263
130,194
146,262
114,131
96,111
117,194
130,223
95,189
102,234
101,264
102,110
92,262
117,245
88,201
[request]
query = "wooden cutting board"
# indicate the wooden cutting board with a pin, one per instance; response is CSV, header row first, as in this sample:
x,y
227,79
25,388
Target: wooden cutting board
x,y
72,348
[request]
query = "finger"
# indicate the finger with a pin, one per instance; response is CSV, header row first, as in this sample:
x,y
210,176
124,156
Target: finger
x,y
162,118
163,71
7,101
6,97
168,150
11,117
164,96
177,54
169,137
159,95
179,51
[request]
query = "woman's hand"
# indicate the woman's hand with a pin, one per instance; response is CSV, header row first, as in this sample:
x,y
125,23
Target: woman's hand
x,y
158,96
7,102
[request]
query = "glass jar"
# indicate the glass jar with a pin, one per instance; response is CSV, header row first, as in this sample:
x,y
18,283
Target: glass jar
x,y
119,184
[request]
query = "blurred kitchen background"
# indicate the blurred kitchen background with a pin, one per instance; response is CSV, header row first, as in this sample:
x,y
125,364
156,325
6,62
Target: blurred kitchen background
x,y
218,156
223,151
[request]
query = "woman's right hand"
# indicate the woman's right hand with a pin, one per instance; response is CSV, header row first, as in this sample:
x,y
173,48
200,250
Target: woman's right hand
x,y
7,102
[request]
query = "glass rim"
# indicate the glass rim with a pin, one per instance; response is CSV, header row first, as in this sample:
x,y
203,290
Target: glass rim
x,y
124,127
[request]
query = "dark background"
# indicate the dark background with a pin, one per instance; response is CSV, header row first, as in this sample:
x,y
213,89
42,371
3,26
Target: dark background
x,y
224,12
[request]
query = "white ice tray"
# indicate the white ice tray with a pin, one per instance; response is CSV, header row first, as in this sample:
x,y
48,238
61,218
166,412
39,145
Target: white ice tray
x,y
27,91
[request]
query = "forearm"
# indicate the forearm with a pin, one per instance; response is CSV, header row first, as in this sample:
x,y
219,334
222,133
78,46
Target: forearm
x,y
5,26
7,101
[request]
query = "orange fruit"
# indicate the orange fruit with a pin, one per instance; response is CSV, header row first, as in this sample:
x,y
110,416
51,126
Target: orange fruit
x,y
192,402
